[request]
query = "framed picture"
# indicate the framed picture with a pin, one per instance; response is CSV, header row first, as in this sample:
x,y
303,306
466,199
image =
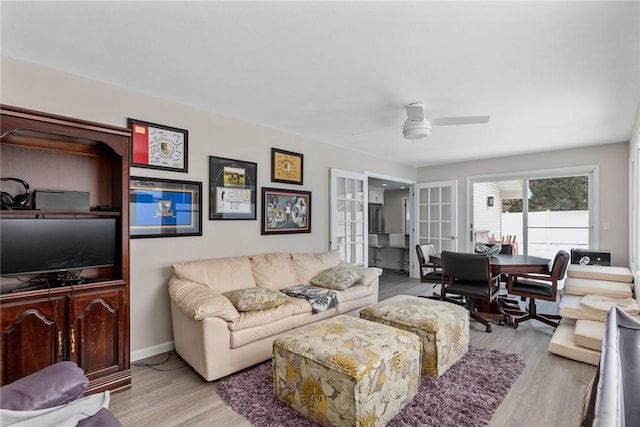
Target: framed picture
x,y
157,146
232,189
286,167
164,207
285,211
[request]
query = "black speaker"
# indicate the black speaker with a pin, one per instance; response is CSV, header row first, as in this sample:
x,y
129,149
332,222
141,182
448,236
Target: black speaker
x,y
590,257
20,201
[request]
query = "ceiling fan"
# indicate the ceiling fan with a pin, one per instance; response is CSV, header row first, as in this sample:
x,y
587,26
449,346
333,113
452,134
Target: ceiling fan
x,y
418,126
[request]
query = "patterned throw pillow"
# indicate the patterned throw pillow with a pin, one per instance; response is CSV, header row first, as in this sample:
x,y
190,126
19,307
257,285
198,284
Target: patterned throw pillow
x,y
252,299
339,278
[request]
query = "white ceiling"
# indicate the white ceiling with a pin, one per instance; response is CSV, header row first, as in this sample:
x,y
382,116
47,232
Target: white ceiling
x,y
550,74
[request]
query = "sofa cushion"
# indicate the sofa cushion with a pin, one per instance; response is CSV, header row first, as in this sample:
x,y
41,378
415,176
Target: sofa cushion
x,y
274,271
308,265
597,302
578,286
600,272
54,385
339,278
572,306
256,298
199,301
589,333
221,274
562,344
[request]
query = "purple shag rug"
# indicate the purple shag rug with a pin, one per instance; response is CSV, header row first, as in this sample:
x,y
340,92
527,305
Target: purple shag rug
x,y
466,395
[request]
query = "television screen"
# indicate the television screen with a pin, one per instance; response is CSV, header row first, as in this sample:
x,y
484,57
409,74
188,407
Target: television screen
x,y
31,245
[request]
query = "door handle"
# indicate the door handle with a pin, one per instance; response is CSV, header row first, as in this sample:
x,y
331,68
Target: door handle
x,y
453,237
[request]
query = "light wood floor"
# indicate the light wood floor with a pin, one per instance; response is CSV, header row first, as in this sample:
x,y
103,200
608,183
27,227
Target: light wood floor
x,y
549,392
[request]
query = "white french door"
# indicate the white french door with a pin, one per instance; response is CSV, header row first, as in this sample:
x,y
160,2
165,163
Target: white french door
x,y
436,215
348,223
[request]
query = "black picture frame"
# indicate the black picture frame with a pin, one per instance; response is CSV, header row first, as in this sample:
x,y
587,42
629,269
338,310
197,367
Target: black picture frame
x,y
164,208
275,217
232,189
156,146
287,167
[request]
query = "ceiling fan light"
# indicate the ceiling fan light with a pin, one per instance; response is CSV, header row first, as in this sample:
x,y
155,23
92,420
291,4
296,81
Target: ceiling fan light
x,y
416,130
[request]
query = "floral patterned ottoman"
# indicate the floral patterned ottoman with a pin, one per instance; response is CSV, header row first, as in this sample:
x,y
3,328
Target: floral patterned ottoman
x,y
442,326
346,371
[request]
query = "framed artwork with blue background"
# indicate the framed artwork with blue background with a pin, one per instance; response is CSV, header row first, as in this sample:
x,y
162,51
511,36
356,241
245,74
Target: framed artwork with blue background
x,y
164,207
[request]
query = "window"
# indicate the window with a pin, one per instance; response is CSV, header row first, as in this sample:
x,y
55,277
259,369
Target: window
x,y
541,211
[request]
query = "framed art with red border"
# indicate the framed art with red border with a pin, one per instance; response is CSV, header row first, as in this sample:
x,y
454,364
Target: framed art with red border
x,y
156,146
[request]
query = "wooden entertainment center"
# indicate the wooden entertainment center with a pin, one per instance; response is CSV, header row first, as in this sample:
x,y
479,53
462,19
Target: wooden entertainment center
x,y
87,322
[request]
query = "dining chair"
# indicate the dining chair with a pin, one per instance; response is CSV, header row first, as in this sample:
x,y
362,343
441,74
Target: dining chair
x,y
430,270
469,275
538,287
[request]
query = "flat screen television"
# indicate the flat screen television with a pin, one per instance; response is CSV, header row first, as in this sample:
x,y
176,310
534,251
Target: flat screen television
x,y
55,245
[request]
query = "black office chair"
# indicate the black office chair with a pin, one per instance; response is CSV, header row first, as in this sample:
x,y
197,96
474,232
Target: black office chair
x,y
538,287
469,275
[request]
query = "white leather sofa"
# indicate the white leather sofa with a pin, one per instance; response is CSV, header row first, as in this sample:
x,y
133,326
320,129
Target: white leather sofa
x,y
216,339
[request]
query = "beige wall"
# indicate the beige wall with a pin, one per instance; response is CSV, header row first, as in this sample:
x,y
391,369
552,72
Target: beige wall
x,y
614,186
33,87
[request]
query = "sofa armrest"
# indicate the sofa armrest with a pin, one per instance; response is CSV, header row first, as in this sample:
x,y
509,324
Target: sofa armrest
x,y
54,385
198,301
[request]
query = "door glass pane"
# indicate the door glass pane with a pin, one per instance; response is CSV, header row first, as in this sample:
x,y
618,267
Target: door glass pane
x,y
434,195
434,212
446,229
558,215
434,228
445,194
340,188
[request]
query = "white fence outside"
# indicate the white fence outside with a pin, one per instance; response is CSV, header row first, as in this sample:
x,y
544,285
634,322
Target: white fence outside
x,y
549,231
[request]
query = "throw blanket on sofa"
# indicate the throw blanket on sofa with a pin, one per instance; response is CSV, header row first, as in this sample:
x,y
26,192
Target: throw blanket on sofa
x,y
320,299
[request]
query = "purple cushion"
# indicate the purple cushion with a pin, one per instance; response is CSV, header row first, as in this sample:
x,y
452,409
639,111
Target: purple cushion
x,y
52,386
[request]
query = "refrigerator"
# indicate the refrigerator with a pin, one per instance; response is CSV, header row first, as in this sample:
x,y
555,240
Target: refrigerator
x,y
376,218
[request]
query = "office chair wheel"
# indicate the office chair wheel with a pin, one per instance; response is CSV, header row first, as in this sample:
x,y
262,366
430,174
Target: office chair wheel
x,y
514,325
488,328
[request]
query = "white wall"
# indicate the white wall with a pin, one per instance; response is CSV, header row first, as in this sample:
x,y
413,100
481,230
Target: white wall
x,y
614,186
28,86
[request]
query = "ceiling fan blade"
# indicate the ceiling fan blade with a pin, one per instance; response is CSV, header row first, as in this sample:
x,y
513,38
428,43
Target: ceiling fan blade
x,y
469,120
415,111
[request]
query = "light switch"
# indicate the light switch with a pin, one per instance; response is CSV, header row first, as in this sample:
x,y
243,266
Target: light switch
x,y
605,226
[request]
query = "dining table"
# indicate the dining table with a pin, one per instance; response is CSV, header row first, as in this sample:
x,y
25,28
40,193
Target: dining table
x,y
508,264
519,264
512,264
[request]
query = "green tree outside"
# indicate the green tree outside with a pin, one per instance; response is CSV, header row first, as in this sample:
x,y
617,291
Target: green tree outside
x,y
554,194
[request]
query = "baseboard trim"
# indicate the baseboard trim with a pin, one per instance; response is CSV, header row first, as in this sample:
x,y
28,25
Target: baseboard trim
x,y
152,351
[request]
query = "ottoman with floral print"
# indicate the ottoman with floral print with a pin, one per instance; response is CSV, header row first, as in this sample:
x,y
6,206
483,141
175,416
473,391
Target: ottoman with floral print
x,y
442,326
346,371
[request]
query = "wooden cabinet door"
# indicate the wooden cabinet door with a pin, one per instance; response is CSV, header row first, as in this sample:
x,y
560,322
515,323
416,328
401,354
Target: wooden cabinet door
x,y
97,331
32,338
